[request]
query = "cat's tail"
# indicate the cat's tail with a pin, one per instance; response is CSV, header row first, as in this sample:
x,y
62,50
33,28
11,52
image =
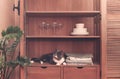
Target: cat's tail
x,y
35,60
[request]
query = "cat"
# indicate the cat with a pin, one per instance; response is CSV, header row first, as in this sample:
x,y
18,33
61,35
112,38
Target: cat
x,y
57,58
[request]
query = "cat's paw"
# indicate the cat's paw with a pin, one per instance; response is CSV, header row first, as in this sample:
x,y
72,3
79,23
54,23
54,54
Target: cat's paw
x,y
64,63
31,61
41,62
57,64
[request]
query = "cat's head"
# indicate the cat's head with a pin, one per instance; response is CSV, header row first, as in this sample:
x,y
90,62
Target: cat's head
x,y
58,54
58,57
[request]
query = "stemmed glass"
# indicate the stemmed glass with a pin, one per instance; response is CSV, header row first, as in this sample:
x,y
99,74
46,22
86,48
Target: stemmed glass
x,y
56,26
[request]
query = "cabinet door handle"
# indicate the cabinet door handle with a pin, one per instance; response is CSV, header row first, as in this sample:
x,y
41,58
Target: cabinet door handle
x,y
80,67
43,67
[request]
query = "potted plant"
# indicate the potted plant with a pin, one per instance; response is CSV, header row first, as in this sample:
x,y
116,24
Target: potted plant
x,y
9,60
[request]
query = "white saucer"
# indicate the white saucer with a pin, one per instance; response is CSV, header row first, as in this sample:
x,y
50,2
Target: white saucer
x,y
77,34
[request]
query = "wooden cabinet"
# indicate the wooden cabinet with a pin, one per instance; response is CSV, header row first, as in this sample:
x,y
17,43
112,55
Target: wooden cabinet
x,y
48,25
62,72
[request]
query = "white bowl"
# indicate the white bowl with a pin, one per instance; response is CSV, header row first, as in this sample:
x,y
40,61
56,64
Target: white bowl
x,y
80,25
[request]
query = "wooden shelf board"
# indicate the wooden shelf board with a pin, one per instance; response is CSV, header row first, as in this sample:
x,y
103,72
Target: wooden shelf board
x,y
65,37
50,65
63,13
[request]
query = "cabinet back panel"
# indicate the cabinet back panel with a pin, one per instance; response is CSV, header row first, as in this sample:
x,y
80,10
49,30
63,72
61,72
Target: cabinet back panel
x,y
61,5
35,25
38,47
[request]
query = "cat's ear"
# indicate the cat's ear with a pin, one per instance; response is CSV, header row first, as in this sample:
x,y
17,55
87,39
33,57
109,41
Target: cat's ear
x,y
57,50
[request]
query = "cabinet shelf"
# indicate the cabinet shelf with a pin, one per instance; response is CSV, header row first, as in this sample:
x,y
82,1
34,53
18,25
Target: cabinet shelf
x,y
65,37
49,65
63,13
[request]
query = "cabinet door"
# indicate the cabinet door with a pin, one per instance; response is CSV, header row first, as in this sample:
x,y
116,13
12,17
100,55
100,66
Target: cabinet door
x,y
43,72
80,73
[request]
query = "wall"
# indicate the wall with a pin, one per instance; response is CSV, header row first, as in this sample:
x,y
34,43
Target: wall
x,y
8,17
6,14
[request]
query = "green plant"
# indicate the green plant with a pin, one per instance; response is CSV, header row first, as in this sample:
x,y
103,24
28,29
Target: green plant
x,y
9,60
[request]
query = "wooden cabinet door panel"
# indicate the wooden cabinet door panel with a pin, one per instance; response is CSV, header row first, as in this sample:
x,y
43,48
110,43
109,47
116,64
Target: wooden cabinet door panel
x,y
43,73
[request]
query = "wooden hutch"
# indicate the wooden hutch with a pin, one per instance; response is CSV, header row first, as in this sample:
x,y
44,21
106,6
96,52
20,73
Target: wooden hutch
x,y
38,40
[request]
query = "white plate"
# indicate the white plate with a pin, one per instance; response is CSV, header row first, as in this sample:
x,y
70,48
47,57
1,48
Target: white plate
x,y
75,34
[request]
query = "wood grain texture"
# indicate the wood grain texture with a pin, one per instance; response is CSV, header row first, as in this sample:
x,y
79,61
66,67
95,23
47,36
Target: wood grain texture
x,y
113,78
61,5
68,23
104,38
22,41
35,46
40,72
91,73
113,38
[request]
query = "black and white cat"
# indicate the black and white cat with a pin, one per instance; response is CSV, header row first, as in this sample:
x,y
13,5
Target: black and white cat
x,y
57,57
